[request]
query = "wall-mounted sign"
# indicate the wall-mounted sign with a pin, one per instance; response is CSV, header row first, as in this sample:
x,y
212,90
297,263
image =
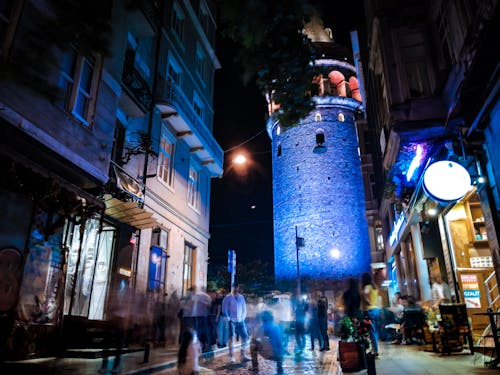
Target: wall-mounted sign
x,y
472,294
446,181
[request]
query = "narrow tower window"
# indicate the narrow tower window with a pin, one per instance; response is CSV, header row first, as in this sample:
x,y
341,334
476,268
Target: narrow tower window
x,y
341,117
317,117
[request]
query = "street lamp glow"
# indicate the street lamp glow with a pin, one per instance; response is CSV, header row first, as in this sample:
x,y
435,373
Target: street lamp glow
x,y
335,253
240,159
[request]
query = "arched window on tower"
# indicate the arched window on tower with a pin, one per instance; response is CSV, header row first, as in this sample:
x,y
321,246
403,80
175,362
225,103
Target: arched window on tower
x,y
317,117
320,142
338,81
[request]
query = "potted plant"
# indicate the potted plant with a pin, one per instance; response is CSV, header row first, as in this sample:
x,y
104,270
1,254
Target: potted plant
x,y
354,341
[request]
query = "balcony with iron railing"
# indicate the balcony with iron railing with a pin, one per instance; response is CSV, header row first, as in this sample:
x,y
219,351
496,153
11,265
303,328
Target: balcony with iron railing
x,y
137,98
172,102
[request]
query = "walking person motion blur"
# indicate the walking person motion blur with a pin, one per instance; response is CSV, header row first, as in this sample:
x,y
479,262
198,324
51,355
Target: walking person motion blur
x,y
323,320
300,324
189,353
186,312
372,309
235,309
267,341
222,321
119,315
160,316
201,308
352,299
313,327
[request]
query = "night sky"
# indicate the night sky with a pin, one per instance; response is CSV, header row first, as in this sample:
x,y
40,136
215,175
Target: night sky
x,y
241,201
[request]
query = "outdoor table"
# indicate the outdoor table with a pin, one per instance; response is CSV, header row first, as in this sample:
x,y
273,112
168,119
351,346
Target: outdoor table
x,y
494,330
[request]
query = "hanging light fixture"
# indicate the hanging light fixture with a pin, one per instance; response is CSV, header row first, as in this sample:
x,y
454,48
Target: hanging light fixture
x,y
446,181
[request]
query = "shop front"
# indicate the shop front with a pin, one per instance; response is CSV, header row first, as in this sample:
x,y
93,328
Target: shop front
x,y
468,256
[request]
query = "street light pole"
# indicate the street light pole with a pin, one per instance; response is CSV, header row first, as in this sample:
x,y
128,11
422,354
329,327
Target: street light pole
x,y
299,242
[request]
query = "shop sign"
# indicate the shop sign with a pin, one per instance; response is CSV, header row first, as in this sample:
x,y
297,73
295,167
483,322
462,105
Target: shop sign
x,y
472,294
446,181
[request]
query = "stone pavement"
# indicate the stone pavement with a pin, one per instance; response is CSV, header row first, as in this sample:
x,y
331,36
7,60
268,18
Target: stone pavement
x,y
394,359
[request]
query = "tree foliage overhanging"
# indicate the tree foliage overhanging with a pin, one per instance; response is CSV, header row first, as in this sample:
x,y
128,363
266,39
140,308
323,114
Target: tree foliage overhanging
x,y
273,50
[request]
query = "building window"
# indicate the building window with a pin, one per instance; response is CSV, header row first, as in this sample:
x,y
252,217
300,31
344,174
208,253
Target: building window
x,y
445,36
157,268
188,268
193,188
203,17
200,64
198,107
174,73
414,60
10,11
166,159
178,22
78,81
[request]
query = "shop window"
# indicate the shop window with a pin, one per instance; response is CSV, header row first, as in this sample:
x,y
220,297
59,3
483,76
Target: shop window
x,y
40,288
88,267
78,81
188,268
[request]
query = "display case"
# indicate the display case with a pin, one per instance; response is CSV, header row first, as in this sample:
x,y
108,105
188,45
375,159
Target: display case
x,y
479,253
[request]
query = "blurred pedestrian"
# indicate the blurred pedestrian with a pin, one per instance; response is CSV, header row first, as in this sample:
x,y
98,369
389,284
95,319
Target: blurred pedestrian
x,y
322,303
352,298
186,312
172,322
201,308
159,316
313,326
119,314
222,321
300,308
235,309
267,341
371,308
189,353
212,318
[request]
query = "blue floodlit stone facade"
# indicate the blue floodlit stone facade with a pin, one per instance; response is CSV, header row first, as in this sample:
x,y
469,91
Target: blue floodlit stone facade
x,y
321,195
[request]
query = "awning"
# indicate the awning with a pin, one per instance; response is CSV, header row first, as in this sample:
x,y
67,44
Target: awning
x,y
129,213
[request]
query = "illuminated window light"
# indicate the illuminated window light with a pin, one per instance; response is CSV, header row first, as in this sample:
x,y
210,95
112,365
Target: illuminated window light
x,y
414,163
278,130
341,117
317,117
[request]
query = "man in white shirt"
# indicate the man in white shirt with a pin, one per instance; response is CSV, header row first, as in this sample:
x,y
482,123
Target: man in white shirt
x,y
234,308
